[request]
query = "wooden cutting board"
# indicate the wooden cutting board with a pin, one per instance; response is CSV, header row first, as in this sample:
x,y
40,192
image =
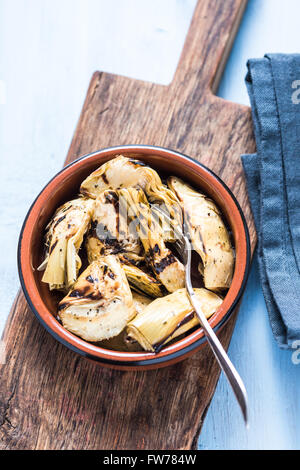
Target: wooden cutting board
x,y
51,398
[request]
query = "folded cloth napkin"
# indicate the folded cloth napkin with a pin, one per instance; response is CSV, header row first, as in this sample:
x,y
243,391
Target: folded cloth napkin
x,y
273,180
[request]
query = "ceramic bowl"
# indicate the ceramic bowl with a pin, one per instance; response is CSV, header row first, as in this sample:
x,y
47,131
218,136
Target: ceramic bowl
x,y
63,187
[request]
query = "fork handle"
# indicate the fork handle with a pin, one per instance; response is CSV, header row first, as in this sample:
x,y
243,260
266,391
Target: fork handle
x,y
225,363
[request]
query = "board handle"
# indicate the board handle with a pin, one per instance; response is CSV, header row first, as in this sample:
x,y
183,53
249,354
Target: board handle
x,y
208,42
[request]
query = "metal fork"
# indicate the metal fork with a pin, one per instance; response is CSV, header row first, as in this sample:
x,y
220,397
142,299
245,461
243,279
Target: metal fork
x,y
184,248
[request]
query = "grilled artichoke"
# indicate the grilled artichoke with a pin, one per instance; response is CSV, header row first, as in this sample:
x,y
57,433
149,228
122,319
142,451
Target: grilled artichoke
x,y
109,232
208,233
122,342
63,239
124,172
142,282
168,317
140,301
100,303
166,267
100,306
132,258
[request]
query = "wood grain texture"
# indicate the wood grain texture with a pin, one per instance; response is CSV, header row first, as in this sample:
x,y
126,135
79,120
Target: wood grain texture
x,y
49,397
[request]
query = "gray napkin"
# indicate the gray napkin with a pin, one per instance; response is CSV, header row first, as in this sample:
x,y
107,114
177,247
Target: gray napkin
x,y
273,180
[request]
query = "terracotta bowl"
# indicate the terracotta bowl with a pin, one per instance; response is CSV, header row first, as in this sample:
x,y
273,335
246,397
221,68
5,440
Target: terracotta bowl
x,y
63,187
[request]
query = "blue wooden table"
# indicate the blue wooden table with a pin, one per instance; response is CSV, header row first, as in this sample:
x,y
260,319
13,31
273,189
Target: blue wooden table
x,y
271,378
48,52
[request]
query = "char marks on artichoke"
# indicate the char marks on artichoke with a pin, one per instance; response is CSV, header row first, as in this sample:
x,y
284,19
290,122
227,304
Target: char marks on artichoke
x,y
64,237
123,172
209,235
168,317
130,264
143,282
165,266
100,303
110,233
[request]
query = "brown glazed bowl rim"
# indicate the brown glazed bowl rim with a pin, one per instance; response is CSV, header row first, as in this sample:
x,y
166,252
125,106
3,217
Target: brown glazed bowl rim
x,y
173,352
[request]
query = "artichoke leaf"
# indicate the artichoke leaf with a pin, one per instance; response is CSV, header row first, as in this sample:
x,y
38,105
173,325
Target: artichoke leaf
x,y
142,281
64,237
208,233
169,317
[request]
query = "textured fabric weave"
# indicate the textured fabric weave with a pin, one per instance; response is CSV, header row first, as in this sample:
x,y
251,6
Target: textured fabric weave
x,y
273,180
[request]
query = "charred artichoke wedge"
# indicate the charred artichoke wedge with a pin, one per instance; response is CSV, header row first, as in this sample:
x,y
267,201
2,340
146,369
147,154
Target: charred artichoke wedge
x,y
63,239
124,172
100,303
208,233
109,233
142,282
166,267
121,342
168,317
